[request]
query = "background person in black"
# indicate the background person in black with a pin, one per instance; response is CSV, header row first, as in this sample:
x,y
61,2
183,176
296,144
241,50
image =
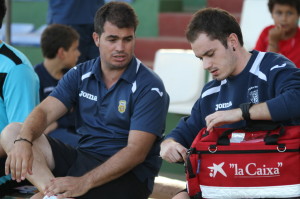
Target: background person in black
x,y
79,14
59,44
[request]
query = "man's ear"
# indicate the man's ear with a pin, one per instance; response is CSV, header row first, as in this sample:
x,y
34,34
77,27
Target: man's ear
x,y
232,41
61,53
96,38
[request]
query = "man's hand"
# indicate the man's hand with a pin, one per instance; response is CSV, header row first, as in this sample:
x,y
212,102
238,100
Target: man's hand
x,y
19,161
66,187
172,151
220,118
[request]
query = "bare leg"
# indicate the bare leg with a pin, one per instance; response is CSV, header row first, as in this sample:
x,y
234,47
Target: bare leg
x,y
181,195
166,187
2,152
43,161
38,195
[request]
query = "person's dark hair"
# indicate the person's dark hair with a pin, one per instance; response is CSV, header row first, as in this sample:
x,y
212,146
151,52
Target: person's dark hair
x,y
56,36
2,11
216,23
119,14
292,3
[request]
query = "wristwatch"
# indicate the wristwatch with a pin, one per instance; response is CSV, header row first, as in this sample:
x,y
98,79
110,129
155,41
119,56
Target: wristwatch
x,y
245,110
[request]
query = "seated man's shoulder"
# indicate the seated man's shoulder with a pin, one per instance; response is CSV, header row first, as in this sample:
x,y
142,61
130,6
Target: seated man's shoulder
x,y
148,75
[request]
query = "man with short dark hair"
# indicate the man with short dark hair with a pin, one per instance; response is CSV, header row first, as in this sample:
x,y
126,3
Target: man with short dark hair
x,y
265,85
121,108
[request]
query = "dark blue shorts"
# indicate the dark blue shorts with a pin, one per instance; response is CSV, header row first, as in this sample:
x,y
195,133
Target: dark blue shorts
x,y
74,162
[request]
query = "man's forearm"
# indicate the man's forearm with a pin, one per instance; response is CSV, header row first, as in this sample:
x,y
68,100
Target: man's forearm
x,y
34,125
260,112
48,111
119,164
139,145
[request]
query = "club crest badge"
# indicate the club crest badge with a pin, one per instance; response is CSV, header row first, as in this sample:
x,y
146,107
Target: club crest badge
x,y
253,94
122,106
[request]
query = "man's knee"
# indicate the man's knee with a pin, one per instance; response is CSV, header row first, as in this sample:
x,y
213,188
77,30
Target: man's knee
x,y
167,187
9,134
181,195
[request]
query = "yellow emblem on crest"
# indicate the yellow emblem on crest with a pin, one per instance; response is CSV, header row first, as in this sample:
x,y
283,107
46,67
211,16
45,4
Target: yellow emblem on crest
x,y
122,106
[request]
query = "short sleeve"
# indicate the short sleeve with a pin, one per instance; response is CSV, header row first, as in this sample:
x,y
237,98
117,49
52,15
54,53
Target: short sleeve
x,y
150,111
67,88
20,92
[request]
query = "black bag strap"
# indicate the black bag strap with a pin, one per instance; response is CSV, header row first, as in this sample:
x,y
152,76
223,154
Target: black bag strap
x,y
253,126
197,196
188,164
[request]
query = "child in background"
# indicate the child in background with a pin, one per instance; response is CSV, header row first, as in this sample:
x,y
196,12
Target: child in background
x,y
59,45
284,36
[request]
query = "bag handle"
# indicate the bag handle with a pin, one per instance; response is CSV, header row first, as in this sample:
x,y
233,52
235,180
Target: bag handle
x,y
253,126
188,165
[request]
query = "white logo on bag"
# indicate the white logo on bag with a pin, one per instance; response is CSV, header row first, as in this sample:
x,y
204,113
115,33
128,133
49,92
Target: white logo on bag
x,y
215,169
252,170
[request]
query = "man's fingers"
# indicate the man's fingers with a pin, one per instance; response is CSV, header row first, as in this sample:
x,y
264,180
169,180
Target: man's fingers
x,y
172,156
12,168
176,157
64,195
49,192
54,187
24,170
179,155
210,124
172,151
182,151
7,166
29,169
184,156
18,170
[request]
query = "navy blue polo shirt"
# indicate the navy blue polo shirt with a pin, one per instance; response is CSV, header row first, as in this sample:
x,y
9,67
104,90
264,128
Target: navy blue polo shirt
x,y
104,117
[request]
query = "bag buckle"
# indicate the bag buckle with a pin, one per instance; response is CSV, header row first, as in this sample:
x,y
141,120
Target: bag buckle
x,y
213,148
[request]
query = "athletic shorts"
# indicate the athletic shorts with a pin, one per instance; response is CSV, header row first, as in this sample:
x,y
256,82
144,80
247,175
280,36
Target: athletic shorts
x,y
75,162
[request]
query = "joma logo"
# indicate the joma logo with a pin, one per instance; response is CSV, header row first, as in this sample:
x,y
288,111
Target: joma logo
x,y
87,95
223,105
